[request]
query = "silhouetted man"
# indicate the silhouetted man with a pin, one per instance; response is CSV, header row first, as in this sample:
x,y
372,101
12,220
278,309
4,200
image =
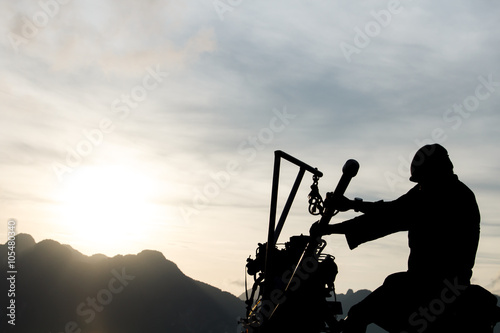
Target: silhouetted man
x,y
442,218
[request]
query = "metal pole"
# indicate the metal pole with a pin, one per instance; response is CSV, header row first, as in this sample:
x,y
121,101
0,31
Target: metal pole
x,y
272,223
288,204
299,163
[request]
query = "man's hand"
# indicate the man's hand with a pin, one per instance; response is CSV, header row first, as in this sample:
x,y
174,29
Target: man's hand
x,y
341,203
317,230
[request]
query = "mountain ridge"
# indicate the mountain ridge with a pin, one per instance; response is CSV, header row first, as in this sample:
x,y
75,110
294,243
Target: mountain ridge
x,y
58,289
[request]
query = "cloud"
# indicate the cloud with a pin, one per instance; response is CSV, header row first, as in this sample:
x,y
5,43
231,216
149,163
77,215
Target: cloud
x,y
226,78
494,285
118,37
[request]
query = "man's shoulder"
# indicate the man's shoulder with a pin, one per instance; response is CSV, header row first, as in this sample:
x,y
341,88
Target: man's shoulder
x,y
462,187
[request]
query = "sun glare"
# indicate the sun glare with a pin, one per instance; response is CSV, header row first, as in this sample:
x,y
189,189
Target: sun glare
x,y
107,207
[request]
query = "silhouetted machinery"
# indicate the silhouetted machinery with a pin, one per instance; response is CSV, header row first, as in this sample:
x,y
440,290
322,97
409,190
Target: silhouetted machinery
x,y
294,289
293,284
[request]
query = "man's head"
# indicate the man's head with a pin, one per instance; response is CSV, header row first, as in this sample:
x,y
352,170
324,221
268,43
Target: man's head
x,y
431,163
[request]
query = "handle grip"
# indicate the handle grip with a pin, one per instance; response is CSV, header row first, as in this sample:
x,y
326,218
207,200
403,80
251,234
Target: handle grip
x,y
349,170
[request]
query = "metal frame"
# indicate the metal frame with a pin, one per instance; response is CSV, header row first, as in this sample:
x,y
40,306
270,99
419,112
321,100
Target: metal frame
x,y
274,231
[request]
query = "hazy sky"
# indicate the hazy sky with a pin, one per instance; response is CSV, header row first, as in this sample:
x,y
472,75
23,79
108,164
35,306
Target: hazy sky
x,y
129,125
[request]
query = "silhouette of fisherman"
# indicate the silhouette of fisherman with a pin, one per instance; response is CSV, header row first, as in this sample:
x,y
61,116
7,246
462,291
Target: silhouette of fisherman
x,y
442,218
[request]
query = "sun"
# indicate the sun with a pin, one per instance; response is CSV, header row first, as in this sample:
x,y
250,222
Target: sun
x,y
107,207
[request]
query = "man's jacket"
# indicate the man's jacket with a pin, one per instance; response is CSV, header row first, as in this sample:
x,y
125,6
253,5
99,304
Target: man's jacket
x,y
442,224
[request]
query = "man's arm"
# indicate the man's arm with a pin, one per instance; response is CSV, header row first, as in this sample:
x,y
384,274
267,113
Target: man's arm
x,y
358,230
358,205
379,219
338,228
323,230
354,230
343,204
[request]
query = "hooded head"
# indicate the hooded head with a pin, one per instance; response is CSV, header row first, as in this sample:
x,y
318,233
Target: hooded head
x,y
431,162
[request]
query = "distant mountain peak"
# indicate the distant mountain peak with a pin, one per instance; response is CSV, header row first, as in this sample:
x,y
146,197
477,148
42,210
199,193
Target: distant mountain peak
x,y
152,254
26,238
136,293
24,242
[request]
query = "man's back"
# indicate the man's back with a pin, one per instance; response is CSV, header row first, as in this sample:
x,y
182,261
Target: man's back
x,y
443,231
